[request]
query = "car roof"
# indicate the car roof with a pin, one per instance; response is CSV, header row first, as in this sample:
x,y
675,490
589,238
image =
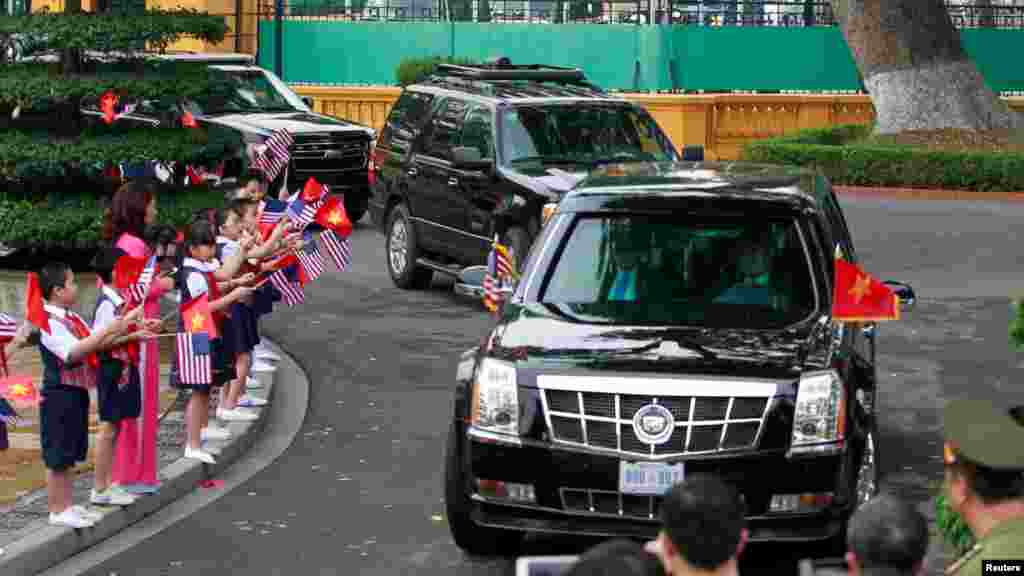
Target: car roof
x,y
645,183
514,91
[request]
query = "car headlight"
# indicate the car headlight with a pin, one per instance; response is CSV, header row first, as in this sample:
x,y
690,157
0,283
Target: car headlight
x,y
819,418
495,398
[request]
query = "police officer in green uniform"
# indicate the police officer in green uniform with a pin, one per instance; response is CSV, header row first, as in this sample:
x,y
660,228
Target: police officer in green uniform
x,y
984,462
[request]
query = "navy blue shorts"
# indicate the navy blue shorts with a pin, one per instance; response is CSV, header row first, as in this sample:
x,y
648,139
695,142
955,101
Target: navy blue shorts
x,y
240,332
64,426
115,403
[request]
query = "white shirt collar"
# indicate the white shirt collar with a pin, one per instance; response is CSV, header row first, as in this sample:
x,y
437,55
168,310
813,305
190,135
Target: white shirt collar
x,y
56,310
193,263
115,298
226,240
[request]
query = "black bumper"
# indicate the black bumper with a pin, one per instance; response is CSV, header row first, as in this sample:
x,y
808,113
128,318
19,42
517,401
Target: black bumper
x,y
757,476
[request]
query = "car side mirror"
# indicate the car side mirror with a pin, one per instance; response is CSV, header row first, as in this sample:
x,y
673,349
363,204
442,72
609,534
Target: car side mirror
x,y
469,158
904,292
308,101
469,284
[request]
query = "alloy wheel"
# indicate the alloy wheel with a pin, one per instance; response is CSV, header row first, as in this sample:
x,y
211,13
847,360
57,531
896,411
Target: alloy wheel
x,y
398,248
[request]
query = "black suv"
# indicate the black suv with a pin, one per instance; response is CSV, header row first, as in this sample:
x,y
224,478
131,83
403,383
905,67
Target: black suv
x,y
672,318
475,152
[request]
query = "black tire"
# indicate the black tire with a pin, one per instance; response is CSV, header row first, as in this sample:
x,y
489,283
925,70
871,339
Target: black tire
x,y
411,276
356,204
471,538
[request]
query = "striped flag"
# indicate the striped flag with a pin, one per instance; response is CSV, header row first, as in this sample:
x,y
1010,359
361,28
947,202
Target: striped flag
x,y
194,365
338,248
291,292
310,257
140,288
276,156
8,326
503,261
273,211
302,213
491,295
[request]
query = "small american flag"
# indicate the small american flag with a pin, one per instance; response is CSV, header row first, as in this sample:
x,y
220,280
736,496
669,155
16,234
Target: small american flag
x,y
291,292
338,249
273,211
301,213
8,326
137,292
503,261
194,365
491,294
276,155
310,257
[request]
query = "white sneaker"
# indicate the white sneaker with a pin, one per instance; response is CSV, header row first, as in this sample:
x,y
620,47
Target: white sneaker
x,y
260,365
111,497
214,432
90,515
70,519
253,384
264,353
238,415
199,455
249,401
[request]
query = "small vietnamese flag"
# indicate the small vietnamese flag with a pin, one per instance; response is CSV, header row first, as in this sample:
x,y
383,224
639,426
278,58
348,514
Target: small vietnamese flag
x,y
197,317
127,271
859,297
108,103
332,216
20,391
188,120
313,191
34,310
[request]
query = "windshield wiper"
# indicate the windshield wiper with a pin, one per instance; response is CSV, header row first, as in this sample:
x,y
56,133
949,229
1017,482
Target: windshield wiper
x,y
602,351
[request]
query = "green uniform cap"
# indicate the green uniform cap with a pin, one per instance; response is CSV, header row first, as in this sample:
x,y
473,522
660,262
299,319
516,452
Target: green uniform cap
x,y
985,433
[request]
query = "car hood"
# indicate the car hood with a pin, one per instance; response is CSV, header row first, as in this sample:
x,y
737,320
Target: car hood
x,y
541,336
297,122
550,182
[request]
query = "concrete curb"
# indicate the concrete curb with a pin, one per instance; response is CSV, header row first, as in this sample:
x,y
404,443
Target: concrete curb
x,y
40,546
928,194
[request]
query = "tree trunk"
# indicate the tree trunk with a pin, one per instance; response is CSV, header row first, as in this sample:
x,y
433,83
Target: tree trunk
x,y
915,69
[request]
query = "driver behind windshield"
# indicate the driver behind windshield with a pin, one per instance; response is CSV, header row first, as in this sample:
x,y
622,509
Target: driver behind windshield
x,y
630,254
752,284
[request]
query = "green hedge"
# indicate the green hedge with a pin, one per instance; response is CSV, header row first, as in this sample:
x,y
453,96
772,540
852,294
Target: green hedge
x,y
844,157
412,70
74,223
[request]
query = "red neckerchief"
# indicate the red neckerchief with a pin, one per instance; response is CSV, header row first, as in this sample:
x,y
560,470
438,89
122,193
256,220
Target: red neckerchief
x,y
211,282
77,327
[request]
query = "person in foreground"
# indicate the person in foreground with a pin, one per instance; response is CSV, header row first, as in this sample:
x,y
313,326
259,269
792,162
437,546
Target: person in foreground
x,y
886,537
984,463
617,558
702,528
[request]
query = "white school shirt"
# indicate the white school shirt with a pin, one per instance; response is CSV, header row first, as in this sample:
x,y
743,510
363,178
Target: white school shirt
x,y
196,281
60,340
107,310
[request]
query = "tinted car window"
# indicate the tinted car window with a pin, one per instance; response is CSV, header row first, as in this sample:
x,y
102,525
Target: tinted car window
x,y
406,115
741,273
477,132
581,133
444,129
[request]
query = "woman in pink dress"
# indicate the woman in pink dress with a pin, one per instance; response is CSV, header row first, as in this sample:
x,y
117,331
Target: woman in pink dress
x,y
133,208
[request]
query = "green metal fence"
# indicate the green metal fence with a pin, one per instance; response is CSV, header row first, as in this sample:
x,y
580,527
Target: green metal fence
x,y
616,56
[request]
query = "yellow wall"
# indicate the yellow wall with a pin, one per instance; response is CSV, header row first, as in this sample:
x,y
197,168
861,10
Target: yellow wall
x,y
719,122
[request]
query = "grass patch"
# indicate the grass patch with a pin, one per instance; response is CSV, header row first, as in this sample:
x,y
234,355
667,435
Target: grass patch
x,y
944,159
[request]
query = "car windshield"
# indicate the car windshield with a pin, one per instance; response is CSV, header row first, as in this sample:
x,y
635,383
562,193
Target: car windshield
x,y
581,134
248,91
668,270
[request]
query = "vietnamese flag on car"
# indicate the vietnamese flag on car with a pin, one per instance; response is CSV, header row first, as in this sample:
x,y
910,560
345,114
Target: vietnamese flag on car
x,y
859,297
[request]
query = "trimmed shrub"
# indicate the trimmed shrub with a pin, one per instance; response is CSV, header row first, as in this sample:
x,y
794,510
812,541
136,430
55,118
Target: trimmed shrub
x,y
841,154
413,70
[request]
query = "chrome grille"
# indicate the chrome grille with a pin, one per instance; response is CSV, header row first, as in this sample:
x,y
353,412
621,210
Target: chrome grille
x,y
720,418
329,152
610,503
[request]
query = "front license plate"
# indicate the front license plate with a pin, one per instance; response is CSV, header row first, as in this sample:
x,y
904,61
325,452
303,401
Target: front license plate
x,y
648,478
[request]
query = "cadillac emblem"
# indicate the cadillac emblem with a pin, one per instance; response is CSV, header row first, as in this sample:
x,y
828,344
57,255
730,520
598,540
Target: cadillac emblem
x,y
653,424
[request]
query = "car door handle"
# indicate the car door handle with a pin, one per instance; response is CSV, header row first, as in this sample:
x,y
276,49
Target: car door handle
x,y
412,172
453,181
